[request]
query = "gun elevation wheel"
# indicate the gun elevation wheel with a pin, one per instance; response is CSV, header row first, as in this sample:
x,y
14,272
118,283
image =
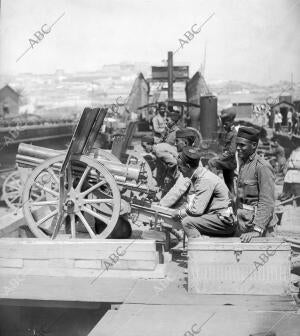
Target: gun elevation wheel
x,y
89,202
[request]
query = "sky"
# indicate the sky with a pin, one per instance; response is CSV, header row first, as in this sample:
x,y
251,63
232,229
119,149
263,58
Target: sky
x,y
254,41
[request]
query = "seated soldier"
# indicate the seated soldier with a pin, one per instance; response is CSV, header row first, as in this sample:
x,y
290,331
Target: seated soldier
x,y
207,210
169,135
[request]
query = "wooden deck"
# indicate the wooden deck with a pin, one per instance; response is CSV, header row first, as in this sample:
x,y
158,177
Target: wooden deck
x,y
165,308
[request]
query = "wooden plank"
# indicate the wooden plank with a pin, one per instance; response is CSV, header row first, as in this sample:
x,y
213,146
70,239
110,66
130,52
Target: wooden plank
x,y
11,262
120,264
77,249
68,288
134,320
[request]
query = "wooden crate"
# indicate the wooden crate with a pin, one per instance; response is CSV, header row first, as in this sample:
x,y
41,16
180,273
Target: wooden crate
x,y
78,257
227,266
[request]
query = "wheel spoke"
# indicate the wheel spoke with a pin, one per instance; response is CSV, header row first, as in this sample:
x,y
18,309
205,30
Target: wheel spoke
x,y
50,215
104,219
82,178
86,224
42,203
97,185
10,186
73,227
49,191
98,200
51,172
13,193
12,200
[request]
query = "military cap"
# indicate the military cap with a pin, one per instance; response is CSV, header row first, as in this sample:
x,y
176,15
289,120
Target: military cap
x,y
191,155
228,114
248,133
185,133
148,139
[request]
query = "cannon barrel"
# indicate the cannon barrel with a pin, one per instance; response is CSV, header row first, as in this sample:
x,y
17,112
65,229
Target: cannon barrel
x,y
32,156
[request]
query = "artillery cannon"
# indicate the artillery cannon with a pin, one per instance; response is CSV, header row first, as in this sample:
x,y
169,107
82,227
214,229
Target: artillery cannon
x,y
84,189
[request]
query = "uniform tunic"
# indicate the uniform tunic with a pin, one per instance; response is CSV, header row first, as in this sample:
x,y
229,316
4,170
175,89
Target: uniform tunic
x,y
227,159
207,199
256,194
170,135
159,125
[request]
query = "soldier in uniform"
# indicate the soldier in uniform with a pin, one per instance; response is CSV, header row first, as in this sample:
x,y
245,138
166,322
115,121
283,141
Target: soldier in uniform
x,y
255,189
169,135
207,210
159,122
184,138
226,161
166,157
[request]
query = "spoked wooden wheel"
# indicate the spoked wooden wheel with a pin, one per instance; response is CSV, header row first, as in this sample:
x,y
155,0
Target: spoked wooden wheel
x,y
198,137
90,201
12,191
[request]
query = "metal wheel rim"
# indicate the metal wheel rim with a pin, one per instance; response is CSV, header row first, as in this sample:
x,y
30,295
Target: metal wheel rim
x,y
108,178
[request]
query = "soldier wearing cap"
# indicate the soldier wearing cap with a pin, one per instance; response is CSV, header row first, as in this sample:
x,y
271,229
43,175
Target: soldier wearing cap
x,y
163,158
255,188
147,143
159,122
184,138
226,161
207,210
169,135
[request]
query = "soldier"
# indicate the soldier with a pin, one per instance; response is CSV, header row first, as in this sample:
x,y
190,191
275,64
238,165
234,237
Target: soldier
x,y
169,135
279,152
226,161
166,157
147,143
256,188
207,210
184,138
159,122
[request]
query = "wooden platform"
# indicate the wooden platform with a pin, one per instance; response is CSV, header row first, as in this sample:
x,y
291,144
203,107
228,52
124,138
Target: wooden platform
x,y
165,308
79,258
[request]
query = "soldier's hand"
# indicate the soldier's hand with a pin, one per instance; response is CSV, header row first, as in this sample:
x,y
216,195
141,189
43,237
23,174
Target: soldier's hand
x,y
246,237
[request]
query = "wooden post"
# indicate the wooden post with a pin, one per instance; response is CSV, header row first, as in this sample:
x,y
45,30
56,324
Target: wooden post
x,y
170,75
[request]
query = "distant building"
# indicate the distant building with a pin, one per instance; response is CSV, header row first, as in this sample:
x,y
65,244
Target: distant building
x,y
283,107
9,101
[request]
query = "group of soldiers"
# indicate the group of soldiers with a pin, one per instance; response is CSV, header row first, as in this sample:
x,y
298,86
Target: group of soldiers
x,y
242,203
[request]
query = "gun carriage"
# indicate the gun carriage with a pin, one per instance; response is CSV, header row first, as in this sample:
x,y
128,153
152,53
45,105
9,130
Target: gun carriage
x,y
85,189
